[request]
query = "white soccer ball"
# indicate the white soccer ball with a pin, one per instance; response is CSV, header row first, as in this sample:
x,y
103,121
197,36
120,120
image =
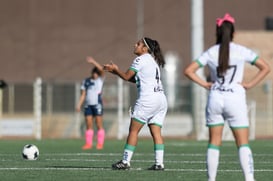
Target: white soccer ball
x,y
30,152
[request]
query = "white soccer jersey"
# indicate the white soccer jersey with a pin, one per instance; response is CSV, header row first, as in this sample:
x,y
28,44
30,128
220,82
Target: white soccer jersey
x,y
147,76
151,105
93,88
234,75
226,100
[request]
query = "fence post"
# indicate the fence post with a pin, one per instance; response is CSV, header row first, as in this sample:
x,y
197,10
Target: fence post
x,y
252,120
49,97
11,90
197,46
120,108
77,114
269,102
38,107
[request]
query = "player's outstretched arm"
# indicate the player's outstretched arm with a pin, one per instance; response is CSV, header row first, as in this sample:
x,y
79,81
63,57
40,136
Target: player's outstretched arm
x,y
95,63
113,68
264,69
190,72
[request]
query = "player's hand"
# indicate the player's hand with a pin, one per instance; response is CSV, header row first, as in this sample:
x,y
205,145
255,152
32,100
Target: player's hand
x,y
246,86
78,109
208,85
110,67
90,59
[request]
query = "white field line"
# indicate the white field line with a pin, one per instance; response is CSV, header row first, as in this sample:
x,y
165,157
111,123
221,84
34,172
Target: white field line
x,y
56,168
151,161
109,169
140,161
139,154
149,154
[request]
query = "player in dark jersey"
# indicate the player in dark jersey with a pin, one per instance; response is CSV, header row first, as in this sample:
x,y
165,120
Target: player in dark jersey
x,y
91,92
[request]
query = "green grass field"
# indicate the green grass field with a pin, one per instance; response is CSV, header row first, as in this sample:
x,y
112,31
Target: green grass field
x,y
184,160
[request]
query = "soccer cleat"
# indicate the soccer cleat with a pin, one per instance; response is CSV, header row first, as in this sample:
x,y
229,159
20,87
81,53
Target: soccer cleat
x,y
99,147
157,167
87,147
121,166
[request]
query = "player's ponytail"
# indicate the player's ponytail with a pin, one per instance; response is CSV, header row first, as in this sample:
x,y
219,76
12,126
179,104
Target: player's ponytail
x,y
224,34
154,49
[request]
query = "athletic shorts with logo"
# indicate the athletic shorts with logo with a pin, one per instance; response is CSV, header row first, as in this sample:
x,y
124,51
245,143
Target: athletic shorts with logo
x,y
151,111
93,110
227,106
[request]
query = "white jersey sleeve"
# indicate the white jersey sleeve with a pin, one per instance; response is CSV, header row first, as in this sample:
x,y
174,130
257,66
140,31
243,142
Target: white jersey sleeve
x,y
204,58
136,65
249,55
83,85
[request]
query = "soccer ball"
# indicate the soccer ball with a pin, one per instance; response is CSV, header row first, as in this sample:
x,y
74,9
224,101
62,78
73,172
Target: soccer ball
x,y
30,152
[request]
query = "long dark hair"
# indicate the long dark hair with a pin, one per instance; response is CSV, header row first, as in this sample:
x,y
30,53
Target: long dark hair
x,y
224,35
154,49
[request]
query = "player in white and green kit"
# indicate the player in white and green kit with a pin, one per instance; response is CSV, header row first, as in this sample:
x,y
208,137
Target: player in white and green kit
x,y
151,105
227,99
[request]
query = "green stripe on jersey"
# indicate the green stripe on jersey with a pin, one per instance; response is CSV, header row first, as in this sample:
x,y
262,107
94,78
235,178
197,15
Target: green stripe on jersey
x,y
199,63
133,69
255,60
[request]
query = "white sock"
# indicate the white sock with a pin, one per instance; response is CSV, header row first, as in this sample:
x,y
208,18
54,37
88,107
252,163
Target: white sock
x,y
246,161
159,154
213,154
128,153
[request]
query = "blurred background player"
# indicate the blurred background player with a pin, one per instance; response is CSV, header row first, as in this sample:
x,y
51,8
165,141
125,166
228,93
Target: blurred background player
x,y
227,99
151,104
91,97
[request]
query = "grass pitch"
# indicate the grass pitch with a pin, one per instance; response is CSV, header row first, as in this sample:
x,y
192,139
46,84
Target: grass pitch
x,y
184,160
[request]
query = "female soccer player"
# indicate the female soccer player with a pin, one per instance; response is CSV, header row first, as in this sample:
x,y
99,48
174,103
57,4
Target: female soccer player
x,y
151,104
91,90
227,99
